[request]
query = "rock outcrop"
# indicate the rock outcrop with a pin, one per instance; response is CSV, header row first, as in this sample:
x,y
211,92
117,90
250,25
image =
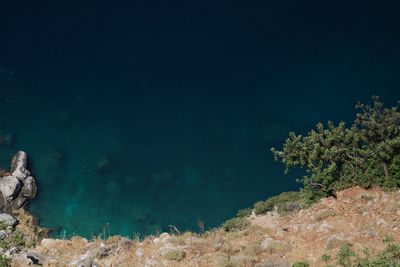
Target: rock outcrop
x,y
17,187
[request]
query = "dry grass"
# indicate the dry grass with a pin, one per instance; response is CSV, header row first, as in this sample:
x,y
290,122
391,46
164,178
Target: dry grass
x,y
268,239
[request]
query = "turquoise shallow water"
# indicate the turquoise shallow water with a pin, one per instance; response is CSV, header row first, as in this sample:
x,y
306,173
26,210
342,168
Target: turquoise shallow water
x,y
136,123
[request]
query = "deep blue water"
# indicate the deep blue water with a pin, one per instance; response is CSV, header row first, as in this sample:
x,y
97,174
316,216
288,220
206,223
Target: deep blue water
x,y
140,116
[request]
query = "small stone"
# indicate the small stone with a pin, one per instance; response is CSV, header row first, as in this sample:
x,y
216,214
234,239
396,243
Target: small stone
x,y
164,236
48,242
324,227
372,233
84,261
103,251
139,252
271,244
381,222
267,243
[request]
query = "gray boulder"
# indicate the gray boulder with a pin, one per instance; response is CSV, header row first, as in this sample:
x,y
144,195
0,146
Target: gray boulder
x,y
36,257
19,165
29,188
10,187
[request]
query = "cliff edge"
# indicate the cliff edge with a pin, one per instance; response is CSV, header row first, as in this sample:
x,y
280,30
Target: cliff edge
x,y
357,219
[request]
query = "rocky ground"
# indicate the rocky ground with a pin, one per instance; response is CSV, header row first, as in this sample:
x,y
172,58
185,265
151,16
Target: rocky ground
x,y
358,217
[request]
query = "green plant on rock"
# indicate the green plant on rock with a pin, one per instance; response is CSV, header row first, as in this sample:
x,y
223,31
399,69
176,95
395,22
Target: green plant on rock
x,y
17,239
301,264
336,156
325,258
284,203
244,212
4,261
3,225
175,255
345,255
235,224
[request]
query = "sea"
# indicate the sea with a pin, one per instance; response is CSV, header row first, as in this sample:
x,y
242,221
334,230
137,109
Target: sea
x,y
139,117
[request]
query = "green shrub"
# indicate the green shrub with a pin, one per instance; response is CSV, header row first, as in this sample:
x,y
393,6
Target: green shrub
x,y
175,255
336,157
285,202
17,239
4,261
345,255
325,258
244,212
389,257
324,215
235,224
3,225
301,264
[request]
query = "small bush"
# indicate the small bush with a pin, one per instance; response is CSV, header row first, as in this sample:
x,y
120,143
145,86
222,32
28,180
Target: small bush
x,y
301,264
244,212
324,215
235,224
175,255
345,255
17,239
3,225
4,261
325,258
285,202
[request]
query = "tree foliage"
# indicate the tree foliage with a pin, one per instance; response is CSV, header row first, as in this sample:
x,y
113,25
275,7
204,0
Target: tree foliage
x,y
367,153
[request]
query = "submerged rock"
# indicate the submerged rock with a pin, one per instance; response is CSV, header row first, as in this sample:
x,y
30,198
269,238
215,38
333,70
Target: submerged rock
x,y
6,139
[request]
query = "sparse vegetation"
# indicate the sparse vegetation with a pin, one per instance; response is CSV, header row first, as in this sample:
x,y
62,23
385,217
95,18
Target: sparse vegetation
x,y
345,255
325,258
175,255
324,215
301,264
3,225
15,239
4,261
390,256
283,203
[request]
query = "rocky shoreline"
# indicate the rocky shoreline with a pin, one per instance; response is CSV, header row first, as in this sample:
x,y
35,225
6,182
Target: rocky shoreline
x,y
18,228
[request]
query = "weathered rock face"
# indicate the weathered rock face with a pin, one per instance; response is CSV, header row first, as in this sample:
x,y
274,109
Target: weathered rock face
x,y
16,189
19,165
10,186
